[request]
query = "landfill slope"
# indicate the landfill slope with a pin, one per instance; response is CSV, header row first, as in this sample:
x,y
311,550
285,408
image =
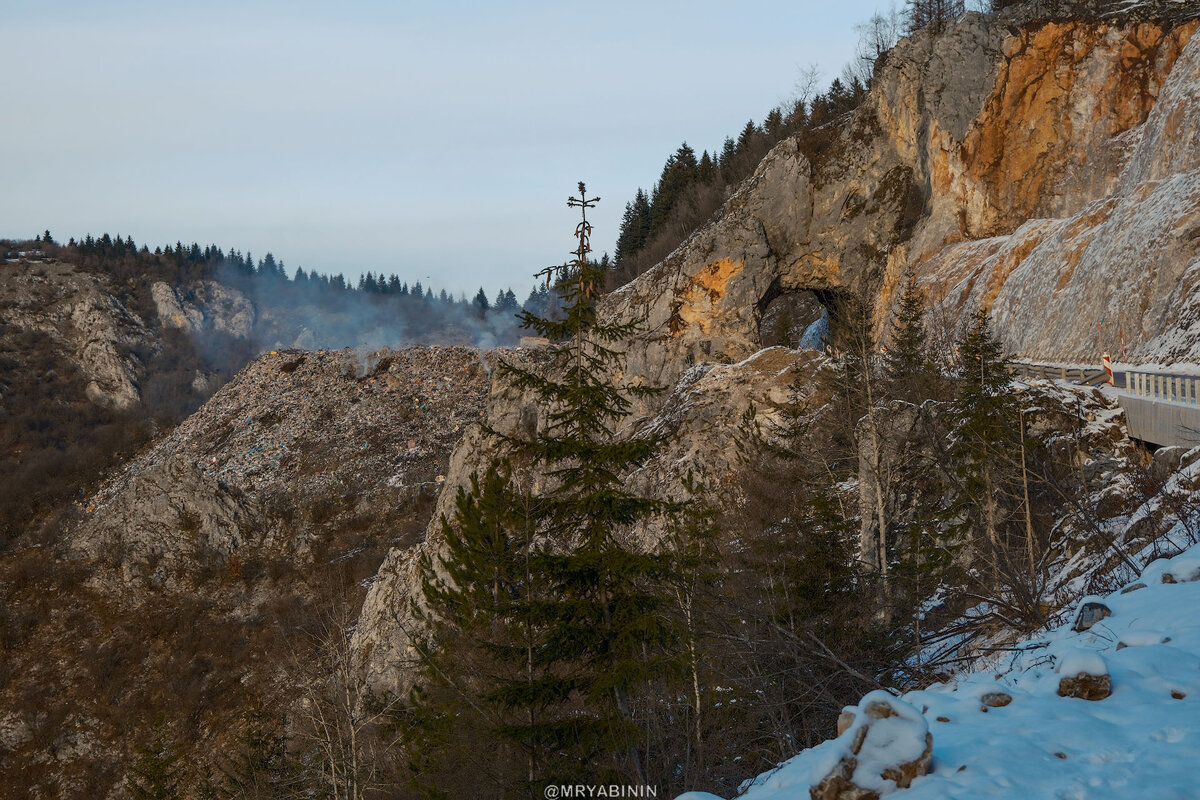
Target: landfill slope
x,y
299,446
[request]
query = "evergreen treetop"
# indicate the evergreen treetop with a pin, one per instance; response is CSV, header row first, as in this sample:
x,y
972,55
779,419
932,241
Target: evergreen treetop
x,y
155,774
907,361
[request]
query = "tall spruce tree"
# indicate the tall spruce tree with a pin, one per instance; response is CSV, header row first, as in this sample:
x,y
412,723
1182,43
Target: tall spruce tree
x,y
606,620
985,439
567,614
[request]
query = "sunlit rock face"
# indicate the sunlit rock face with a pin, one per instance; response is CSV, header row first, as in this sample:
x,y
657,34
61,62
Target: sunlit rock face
x,y
1060,156
1097,217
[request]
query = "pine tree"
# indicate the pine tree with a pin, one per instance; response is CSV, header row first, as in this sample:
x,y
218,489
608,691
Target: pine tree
x,y
154,775
606,621
635,228
487,664
481,303
678,175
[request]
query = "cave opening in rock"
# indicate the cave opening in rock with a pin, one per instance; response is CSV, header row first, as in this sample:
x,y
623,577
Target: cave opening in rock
x,y
795,318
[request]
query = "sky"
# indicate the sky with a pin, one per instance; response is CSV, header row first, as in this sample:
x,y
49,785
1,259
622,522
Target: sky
x,y
437,140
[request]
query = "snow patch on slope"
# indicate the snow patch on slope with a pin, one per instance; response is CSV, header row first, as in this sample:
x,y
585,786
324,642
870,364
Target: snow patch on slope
x,y
1142,741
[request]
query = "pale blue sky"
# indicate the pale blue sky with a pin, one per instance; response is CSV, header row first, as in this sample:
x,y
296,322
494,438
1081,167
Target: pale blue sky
x,y
425,139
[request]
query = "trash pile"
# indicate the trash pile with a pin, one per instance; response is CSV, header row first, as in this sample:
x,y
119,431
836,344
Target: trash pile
x,y
305,424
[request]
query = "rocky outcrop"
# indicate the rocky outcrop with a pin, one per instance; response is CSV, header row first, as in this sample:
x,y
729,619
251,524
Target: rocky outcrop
x,y
1021,169
204,305
1117,265
701,421
81,320
170,517
297,447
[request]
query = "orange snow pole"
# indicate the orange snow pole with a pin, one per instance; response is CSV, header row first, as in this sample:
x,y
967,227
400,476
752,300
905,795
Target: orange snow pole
x,y
1108,368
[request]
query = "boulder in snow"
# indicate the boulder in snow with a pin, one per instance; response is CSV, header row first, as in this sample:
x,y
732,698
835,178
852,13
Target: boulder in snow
x,y
1141,639
1182,569
1084,675
996,699
889,746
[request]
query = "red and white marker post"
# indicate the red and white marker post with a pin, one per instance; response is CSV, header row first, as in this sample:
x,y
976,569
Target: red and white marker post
x,y
1108,368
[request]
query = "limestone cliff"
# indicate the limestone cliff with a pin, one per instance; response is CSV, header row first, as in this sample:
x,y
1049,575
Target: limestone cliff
x,y
76,315
1023,170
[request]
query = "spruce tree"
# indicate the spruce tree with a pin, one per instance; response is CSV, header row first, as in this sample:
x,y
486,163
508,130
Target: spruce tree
x,y
606,619
569,615
488,669
985,440
907,362
154,775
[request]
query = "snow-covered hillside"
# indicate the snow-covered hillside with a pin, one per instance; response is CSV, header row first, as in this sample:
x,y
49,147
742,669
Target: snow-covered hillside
x,y
1010,732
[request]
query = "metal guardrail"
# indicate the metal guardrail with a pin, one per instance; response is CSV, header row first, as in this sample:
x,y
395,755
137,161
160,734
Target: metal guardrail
x,y
1173,388
1160,409
1081,375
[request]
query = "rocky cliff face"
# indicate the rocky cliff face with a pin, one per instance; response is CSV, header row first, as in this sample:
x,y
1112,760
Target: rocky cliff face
x,y
204,306
1112,260
297,447
1022,169
701,422
81,320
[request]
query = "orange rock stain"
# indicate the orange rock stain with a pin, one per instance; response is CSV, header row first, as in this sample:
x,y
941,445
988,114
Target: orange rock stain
x,y
699,298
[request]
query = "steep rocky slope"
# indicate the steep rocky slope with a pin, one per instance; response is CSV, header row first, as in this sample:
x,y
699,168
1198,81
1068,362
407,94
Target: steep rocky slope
x,y
78,315
283,457
701,422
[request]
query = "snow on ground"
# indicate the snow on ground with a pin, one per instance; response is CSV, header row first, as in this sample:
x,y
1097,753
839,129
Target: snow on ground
x,y
1143,741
